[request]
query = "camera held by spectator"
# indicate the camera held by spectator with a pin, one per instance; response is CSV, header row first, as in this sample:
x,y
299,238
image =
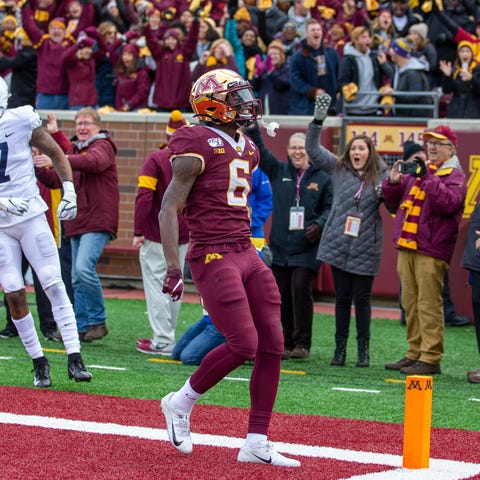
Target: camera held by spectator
x,y
417,168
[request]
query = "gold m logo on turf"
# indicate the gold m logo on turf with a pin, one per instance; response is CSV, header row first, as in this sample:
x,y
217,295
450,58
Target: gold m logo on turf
x,y
212,256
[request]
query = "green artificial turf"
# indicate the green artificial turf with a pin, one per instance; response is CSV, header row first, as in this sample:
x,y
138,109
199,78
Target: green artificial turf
x,y
310,386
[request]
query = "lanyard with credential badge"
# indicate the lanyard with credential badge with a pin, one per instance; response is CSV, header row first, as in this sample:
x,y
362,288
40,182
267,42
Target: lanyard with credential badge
x,y
297,213
354,219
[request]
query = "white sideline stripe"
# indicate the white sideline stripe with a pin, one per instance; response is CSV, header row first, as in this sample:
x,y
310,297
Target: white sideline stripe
x,y
473,399
6,358
104,367
360,390
439,469
237,379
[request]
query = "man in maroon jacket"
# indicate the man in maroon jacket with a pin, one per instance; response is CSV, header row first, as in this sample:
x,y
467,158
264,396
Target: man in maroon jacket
x,y
162,311
429,201
92,158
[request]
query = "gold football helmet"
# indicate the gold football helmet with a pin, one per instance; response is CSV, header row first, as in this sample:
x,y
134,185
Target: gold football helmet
x,y
223,96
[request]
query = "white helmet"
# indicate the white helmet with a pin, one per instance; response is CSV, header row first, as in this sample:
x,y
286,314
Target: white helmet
x,y
3,93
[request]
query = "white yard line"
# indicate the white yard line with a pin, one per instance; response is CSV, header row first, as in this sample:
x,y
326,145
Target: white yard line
x,y
356,390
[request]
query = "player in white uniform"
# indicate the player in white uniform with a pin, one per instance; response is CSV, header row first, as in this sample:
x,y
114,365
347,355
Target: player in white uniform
x,y
24,227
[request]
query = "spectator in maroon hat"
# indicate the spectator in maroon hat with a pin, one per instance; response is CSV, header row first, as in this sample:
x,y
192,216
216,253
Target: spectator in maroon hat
x,y
132,79
172,58
428,200
80,61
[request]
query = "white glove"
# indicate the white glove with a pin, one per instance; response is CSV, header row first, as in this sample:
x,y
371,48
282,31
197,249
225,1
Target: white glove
x,y
14,205
322,104
67,208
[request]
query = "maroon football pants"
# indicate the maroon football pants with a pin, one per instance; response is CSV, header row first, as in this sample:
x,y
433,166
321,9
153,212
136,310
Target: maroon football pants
x,y
242,299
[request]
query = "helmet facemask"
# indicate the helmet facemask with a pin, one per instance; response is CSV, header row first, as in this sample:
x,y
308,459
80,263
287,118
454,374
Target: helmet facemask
x,y
247,108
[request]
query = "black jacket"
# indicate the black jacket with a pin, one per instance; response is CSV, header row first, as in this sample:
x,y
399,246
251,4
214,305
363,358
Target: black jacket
x,y
290,247
465,101
24,77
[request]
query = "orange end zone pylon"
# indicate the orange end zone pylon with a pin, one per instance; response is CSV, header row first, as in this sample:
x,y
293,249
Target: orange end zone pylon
x,y
417,422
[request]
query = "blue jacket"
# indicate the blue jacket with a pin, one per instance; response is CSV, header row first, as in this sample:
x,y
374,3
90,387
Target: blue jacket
x,y
304,80
260,202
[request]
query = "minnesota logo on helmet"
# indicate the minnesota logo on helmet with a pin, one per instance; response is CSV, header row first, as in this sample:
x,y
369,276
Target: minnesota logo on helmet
x,y
223,96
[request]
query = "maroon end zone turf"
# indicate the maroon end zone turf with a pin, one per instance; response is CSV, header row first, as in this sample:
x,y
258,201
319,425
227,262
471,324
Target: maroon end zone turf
x,y
40,453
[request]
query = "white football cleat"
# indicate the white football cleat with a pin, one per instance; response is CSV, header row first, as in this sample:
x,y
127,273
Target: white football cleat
x,y
264,452
178,425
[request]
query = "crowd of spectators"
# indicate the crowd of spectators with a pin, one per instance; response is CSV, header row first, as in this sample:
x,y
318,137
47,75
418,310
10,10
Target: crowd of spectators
x,y
130,55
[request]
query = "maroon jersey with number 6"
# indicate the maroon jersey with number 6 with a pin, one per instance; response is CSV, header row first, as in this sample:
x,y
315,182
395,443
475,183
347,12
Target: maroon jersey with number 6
x,y
216,210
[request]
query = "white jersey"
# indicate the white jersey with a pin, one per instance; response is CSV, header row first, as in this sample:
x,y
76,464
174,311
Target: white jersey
x,y
17,172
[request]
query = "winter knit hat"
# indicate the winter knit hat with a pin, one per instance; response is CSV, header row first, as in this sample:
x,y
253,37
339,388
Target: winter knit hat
x,y
171,32
276,45
86,42
59,22
10,18
132,48
343,26
420,28
410,148
153,11
176,121
402,47
466,43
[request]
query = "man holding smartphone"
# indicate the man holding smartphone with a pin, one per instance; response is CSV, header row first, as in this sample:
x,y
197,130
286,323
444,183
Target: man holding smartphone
x,y
429,204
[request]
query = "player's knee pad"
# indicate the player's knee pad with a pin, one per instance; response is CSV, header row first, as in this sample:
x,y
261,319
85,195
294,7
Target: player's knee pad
x,y
10,279
11,282
49,275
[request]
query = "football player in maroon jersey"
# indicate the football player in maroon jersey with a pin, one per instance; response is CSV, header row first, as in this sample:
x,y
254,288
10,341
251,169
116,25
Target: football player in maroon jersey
x,y
212,166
